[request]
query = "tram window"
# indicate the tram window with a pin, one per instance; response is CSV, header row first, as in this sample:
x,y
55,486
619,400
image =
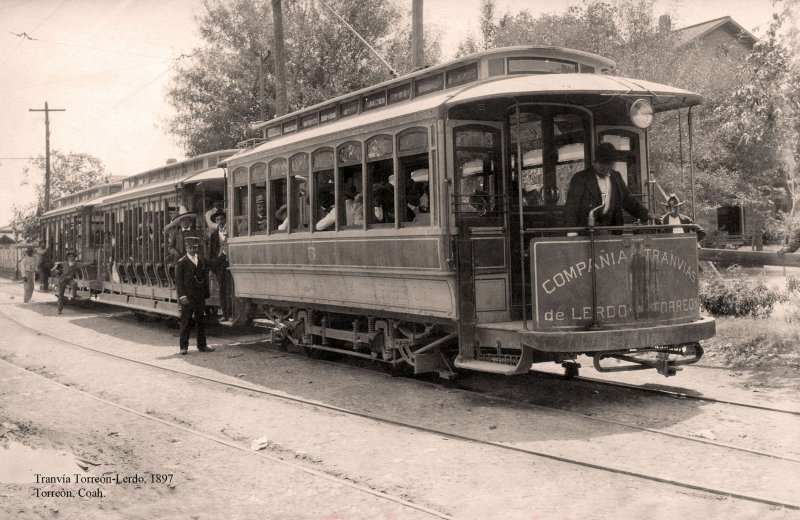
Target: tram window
x,y
554,144
570,138
380,192
627,156
300,203
278,208
240,211
476,166
258,194
415,194
380,174
539,66
325,207
352,195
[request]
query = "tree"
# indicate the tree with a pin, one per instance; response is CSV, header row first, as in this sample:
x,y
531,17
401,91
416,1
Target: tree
x,y
229,80
69,173
728,171
762,123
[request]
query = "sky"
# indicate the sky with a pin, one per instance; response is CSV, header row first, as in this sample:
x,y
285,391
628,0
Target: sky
x,y
108,64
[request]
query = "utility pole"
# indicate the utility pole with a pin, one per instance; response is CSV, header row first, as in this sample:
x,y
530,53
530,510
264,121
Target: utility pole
x,y
417,39
47,111
280,59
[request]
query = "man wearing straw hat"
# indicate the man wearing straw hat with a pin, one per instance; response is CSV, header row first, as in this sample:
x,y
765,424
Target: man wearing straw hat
x,y
191,283
181,227
66,278
673,217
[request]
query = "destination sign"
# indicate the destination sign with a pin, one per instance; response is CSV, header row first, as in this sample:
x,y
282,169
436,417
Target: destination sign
x,y
641,279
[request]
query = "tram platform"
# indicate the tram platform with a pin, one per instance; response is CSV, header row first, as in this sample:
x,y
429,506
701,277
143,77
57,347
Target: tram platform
x,y
514,334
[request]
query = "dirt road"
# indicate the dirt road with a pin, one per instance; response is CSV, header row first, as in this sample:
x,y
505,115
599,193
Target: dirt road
x,y
321,463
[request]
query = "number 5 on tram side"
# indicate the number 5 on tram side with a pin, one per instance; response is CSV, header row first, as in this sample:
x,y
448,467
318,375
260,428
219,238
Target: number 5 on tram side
x,y
421,222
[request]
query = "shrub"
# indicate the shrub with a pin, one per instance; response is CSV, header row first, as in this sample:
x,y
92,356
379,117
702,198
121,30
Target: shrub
x,y
792,284
735,295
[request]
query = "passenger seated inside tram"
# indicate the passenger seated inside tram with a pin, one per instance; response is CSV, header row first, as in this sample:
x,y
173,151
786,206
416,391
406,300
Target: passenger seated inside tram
x,y
383,202
261,213
327,207
600,190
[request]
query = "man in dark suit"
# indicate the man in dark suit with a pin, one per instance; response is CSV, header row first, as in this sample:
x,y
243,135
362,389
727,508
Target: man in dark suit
x,y
218,260
601,187
191,281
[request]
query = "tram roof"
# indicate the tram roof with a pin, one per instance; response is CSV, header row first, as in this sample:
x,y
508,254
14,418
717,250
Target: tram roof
x,y
375,116
662,97
78,205
155,188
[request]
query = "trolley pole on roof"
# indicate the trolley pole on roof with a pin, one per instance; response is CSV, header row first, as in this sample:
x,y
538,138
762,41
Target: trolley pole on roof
x,y
47,111
417,36
280,59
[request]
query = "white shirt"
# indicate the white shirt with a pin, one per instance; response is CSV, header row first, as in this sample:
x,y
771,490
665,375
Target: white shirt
x,y
674,221
604,183
193,259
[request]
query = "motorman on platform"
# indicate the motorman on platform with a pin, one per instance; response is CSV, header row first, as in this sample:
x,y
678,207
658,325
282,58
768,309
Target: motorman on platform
x,y
218,261
191,281
600,189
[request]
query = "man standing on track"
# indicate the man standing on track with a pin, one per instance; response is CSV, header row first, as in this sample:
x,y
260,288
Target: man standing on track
x,y
191,281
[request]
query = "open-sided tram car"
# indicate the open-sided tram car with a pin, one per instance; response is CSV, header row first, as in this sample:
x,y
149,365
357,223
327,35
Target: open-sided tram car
x,y
118,232
420,222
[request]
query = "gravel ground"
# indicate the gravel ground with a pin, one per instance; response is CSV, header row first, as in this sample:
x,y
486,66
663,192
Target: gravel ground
x,y
460,478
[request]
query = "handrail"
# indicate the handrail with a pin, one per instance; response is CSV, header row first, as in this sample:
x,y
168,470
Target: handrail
x,y
627,227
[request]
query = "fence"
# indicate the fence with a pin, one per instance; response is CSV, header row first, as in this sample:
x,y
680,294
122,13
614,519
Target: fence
x,y
9,255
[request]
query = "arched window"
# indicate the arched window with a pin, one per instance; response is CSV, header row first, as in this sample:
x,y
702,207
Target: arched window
x,y
351,193
258,198
277,209
413,177
239,179
380,180
299,202
323,203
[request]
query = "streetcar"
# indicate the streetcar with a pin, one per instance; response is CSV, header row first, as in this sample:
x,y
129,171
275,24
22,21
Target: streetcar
x,y
420,222
120,232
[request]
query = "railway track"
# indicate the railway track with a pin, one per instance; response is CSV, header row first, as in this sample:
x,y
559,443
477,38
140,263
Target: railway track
x,y
472,438
671,393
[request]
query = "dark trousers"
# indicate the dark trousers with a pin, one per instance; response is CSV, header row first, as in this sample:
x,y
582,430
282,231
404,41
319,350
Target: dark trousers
x,y
44,277
198,310
62,286
224,281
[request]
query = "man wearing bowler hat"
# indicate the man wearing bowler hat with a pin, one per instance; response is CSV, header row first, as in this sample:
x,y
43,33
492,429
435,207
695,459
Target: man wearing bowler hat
x,y
191,281
601,190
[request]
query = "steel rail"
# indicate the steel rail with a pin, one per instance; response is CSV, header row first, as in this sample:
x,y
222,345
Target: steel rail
x,y
452,435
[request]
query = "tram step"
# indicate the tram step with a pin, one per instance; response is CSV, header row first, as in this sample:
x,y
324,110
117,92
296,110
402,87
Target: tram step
x,y
485,366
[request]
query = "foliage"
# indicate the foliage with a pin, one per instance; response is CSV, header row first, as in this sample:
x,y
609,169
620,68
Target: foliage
x,y
229,80
69,173
26,223
736,295
740,101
